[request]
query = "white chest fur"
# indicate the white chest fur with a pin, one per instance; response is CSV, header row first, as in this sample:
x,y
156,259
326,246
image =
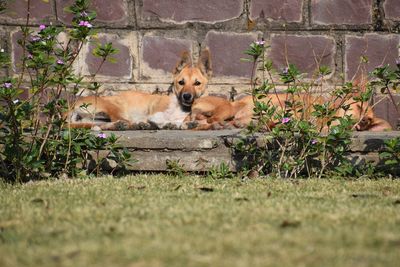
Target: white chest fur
x,y
172,115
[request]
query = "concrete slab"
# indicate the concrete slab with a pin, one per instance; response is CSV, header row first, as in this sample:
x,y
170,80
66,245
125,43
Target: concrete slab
x,y
201,150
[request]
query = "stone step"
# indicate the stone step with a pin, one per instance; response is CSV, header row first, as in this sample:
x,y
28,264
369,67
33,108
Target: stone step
x,y
202,150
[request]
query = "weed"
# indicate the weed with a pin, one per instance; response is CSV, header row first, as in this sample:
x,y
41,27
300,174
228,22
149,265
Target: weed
x,y
221,171
175,168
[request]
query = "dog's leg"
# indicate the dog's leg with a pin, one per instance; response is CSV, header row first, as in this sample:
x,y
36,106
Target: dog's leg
x,y
120,125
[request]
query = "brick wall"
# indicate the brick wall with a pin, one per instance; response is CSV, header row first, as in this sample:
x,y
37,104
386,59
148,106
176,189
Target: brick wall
x,y
151,34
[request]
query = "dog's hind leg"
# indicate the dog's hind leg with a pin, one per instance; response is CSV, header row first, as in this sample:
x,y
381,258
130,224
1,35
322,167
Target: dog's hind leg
x,y
120,125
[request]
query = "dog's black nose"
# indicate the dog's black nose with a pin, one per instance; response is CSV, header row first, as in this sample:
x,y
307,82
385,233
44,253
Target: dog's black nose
x,y
187,97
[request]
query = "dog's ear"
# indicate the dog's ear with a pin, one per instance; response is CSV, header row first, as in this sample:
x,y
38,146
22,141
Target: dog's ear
x,y
183,61
205,62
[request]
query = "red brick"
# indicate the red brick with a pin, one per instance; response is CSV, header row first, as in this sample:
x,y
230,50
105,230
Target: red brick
x,y
392,9
123,65
3,42
386,110
17,9
378,49
287,10
304,51
107,11
227,50
192,10
16,51
341,12
163,53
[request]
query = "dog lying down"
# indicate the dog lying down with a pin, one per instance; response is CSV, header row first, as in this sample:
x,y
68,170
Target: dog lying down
x,y
212,113
138,110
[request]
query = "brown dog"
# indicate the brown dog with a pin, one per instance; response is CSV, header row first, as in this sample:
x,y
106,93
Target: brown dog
x,y
130,108
216,113
211,112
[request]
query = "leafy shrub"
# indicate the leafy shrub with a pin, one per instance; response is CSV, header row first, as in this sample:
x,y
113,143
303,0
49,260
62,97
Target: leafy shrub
x,y
36,140
307,137
391,155
388,80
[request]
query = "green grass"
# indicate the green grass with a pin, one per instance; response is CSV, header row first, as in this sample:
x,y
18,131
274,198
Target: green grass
x,y
194,221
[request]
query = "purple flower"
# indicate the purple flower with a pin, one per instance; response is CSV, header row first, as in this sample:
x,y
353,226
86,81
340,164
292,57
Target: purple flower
x,y
84,14
35,38
42,27
60,62
102,135
260,42
285,120
84,23
30,56
313,142
7,85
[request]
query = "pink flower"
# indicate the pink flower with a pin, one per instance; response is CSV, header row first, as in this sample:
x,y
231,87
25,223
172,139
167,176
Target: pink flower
x,y
84,14
42,27
285,120
7,85
102,135
313,142
260,42
30,56
60,62
35,38
84,23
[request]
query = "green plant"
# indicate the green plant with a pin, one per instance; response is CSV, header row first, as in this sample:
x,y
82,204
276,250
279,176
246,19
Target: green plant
x,y
175,168
305,135
221,171
391,155
388,80
36,140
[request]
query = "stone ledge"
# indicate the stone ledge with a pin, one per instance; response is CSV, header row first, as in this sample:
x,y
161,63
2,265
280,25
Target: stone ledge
x,y
201,150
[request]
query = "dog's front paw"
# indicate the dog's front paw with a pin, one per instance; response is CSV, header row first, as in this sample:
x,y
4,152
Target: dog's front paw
x,y
190,125
148,126
121,125
170,126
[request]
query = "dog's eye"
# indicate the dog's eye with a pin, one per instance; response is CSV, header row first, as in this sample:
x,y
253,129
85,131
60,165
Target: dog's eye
x,y
181,82
197,83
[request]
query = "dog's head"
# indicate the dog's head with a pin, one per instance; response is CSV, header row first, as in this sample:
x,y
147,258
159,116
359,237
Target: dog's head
x,y
190,81
360,112
363,115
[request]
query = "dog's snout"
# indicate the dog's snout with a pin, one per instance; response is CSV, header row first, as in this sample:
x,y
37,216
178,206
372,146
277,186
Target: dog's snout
x,y
187,97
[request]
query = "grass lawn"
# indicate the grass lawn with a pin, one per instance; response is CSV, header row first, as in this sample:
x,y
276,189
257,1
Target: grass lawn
x,y
158,220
